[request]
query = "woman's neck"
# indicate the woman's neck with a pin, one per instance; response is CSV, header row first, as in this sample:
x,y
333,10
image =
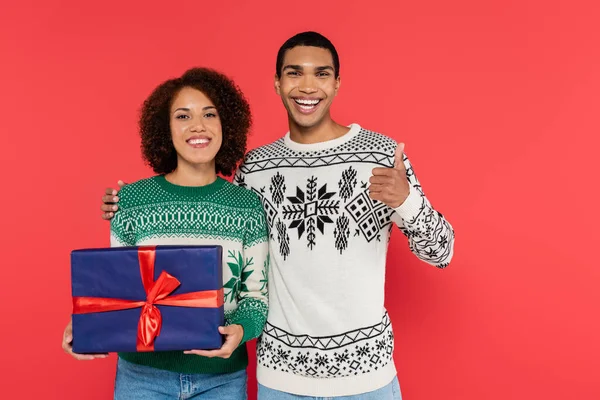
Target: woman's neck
x,y
192,175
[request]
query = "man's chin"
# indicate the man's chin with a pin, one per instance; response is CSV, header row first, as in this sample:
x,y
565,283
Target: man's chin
x,y
306,122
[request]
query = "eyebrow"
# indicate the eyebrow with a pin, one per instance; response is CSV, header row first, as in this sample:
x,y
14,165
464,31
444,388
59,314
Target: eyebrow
x,y
300,68
203,109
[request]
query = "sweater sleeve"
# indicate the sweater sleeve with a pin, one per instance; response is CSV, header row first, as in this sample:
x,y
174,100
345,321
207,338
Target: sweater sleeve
x,y
251,312
430,235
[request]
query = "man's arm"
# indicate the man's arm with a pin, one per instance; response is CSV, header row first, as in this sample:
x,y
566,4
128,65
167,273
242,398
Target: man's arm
x,y
430,235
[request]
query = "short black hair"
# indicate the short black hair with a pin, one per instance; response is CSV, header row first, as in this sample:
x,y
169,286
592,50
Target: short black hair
x,y
312,39
233,108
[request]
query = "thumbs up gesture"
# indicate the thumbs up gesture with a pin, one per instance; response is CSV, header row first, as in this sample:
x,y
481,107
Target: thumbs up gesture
x,y
390,185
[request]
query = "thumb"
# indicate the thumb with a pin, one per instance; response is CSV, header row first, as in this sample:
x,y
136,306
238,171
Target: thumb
x,y
121,184
226,330
399,157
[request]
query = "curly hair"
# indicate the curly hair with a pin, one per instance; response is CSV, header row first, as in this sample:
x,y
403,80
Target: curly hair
x,y
234,112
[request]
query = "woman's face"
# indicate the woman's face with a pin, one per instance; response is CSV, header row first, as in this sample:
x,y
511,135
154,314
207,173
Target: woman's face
x,y
195,127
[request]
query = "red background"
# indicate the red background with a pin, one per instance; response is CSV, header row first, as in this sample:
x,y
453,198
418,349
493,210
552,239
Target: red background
x,y
497,102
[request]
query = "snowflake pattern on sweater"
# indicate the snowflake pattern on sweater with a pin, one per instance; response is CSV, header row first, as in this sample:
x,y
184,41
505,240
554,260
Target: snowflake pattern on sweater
x,y
328,242
308,207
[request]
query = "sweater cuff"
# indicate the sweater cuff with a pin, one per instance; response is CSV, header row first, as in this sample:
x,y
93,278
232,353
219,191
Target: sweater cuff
x,y
411,206
249,330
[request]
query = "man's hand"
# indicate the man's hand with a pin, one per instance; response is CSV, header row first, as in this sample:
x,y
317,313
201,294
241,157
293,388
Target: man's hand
x,y
390,185
110,200
233,337
68,348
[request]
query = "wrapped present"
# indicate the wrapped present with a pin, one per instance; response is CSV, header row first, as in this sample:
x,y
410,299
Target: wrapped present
x,y
150,298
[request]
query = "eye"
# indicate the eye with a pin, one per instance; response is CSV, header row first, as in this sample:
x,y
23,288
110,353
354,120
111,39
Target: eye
x,y
181,116
210,115
293,73
323,74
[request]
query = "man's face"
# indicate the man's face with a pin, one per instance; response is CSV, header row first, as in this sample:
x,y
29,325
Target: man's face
x,y
307,84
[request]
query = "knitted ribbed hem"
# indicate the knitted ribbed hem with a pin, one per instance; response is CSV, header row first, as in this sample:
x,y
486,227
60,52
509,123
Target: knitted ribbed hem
x,y
189,190
411,206
249,329
326,387
177,361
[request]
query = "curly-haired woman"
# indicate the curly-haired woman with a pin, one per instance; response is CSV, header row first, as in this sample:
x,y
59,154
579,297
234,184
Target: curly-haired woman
x,y
193,128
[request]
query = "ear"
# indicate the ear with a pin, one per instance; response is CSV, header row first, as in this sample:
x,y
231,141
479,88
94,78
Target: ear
x,y
338,82
277,84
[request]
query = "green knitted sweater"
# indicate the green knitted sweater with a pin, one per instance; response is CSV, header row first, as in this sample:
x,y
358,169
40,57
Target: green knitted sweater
x,y
155,212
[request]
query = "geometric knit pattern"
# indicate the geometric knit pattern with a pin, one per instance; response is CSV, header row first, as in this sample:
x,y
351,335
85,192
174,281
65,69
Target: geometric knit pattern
x,y
328,244
429,237
153,212
175,215
245,311
192,220
327,342
349,354
366,148
371,216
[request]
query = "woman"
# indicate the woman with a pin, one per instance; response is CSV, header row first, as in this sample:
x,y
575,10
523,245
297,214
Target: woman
x,y
193,128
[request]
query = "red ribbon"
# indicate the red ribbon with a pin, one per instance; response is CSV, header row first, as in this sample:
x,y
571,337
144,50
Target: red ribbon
x,y
157,293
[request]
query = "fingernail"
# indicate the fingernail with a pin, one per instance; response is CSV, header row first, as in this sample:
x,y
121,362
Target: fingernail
x,y
114,192
114,208
115,198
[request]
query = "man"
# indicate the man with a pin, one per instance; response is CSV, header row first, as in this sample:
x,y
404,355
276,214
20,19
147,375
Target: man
x,y
331,194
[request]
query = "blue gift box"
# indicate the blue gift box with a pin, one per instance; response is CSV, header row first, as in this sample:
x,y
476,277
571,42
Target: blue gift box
x,y
114,275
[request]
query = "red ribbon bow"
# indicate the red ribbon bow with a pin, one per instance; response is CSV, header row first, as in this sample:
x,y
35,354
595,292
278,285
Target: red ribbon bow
x,y
157,293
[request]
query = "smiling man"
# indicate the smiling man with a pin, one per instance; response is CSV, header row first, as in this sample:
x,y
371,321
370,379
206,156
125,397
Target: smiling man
x,y
332,194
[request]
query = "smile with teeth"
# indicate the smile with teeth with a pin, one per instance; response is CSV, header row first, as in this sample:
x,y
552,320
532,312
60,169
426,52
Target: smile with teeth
x,y
198,141
307,104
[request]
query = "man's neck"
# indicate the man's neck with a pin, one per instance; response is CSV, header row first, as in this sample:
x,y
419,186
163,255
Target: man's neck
x,y
192,175
323,132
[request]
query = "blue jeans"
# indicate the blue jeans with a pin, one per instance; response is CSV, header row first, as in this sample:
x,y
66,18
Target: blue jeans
x,y
388,392
139,382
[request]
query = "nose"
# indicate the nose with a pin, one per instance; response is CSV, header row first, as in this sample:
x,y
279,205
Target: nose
x,y
198,125
307,84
